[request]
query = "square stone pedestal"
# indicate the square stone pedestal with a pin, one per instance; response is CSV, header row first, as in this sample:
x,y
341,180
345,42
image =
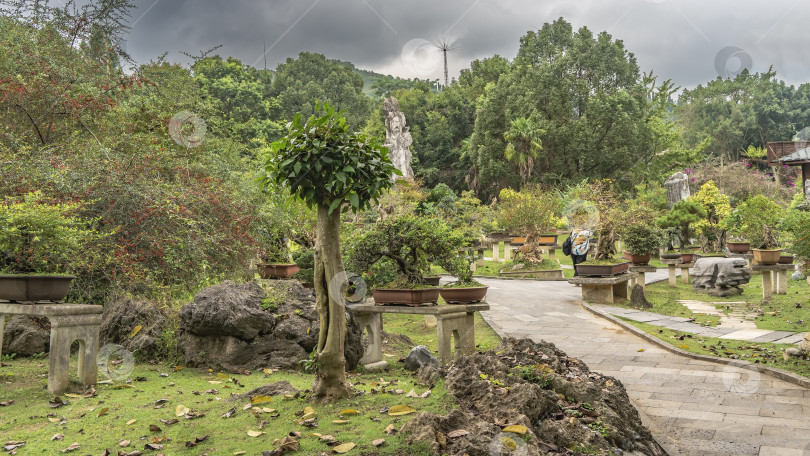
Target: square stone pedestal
x,y
69,322
685,271
673,276
603,290
551,249
453,321
641,279
774,278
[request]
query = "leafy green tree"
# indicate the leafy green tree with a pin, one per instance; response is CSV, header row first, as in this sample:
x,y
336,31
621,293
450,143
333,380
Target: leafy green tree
x,y
532,211
586,92
523,144
298,84
717,207
333,169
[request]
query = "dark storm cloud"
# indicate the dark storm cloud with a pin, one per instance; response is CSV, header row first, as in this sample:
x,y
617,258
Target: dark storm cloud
x,y
676,39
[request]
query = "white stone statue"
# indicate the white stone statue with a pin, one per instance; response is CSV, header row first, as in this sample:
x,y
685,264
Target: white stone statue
x,y
397,137
677,188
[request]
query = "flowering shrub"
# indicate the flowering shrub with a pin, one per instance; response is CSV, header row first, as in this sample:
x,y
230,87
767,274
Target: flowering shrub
x,y
741,180
717,207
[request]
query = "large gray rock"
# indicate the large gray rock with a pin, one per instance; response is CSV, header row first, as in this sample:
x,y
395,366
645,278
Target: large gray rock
x,y
418,357
26,335
226,326
123,315
720,276
677,188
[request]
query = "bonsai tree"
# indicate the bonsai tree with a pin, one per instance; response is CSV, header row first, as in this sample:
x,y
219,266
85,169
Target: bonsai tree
x,y
797,223
411,242
682,216
756,219
606,201
305,259
531,211
459,266
332,169
40,237
717,207
641,238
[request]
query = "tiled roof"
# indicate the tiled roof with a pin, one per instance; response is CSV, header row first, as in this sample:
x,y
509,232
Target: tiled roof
x,y
799,155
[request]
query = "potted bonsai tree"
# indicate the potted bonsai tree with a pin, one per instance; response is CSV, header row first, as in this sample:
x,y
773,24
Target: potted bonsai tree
x,y
757,219
305,260
531,211
682,216
466,289
283,218
41,244
602,196
411,242
641,240
796,223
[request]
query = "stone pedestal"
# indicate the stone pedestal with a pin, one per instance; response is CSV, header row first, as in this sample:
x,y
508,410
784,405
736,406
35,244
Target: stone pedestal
x,y
671,264
496,251
774,278
507,251
685,271
641,278
69,322
453,321
602,290
748,257
551,250
479,256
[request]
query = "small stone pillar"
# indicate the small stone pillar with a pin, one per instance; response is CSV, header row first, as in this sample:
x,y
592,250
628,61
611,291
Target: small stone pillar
x,y
642,275
496,251
671,264
685,271
767,286
507,251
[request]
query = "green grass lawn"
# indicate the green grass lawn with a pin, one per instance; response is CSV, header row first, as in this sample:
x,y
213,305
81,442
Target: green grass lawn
x,y
760,353
125,412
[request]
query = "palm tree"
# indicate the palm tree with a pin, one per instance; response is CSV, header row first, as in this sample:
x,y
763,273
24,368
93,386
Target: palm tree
x,y
523,144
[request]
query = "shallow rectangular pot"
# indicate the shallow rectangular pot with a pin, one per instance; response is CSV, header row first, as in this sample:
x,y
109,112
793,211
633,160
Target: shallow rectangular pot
x,y
602,270
466,295
277,270
32,288
548,274
767,256
408,297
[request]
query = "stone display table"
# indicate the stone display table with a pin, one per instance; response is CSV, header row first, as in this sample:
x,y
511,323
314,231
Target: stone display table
x,y
685,271
774,278
641,278
673,276
602,290
749,257
452,320
551,249
69,322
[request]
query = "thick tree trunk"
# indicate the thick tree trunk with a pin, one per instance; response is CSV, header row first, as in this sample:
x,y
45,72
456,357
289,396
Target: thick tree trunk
x,y
534,255
330,288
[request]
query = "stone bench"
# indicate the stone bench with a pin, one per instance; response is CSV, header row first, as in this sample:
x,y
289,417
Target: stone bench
x,y
69,322
774,278
603,290
452,321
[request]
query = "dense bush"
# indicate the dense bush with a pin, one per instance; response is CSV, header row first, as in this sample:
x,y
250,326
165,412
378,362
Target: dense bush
x,y
641,238
756,221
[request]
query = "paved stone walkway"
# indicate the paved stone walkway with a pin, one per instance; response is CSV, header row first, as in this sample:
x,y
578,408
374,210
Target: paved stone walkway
x,y
692,407
723,332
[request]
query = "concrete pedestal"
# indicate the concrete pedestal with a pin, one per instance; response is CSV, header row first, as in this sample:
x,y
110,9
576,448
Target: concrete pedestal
x,y
496,251
685,271
671,264
641,279
602,290
507,251
69,322
774,278
749,257
551,250
452,321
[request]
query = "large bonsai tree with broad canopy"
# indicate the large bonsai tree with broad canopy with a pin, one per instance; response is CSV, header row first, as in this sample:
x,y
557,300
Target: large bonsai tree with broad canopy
x,y
336,170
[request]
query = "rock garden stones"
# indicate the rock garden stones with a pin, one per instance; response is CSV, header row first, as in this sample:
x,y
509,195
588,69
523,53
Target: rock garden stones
x,y
137,325
720,277
418,357
243,326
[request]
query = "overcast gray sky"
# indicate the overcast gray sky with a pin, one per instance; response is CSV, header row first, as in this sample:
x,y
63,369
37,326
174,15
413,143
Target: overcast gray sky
x,y
689,41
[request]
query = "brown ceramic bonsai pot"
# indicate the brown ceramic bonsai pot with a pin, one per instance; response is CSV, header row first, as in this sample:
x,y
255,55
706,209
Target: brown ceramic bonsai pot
x,y
687,257
670,256
548,239
32,288
277,270
637,258
465,295
409,297
602,270
786,259
738,247
767,256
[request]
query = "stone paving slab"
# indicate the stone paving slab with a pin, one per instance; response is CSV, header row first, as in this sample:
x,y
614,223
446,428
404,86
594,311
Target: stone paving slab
x,y
794,339
772,336
693,407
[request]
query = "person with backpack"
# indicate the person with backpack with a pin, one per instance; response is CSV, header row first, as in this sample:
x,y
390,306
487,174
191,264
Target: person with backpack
x,y
578,243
